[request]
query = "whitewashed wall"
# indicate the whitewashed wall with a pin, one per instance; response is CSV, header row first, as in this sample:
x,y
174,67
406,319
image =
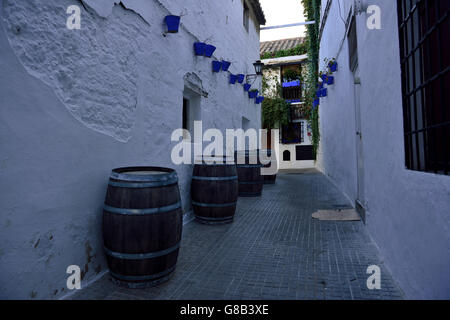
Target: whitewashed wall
x,y
407,211
76,103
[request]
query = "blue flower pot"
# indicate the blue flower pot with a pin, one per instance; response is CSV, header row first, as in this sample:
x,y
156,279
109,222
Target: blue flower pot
x,y
316,102
333,66
233,78
216,65
240,78
173,23
324,92
199,48
247,87
253,94
320,85
209,50
330,80
323,77
258,100
225,65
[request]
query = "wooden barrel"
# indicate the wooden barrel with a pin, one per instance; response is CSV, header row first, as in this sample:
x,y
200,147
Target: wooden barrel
x,y
270,179
214,190
249,173
142,225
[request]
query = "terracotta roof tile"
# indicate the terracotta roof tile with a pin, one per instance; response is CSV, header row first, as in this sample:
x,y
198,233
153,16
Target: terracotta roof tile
x,y
277,45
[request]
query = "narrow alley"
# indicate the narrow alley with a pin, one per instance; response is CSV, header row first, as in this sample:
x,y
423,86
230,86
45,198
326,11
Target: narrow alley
x,y
273,250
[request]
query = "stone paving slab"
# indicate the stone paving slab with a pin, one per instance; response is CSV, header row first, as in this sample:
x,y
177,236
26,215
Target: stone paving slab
x,y
272,250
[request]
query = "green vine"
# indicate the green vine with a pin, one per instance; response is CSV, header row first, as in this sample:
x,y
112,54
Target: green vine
x,y
295,51
312,12
275,110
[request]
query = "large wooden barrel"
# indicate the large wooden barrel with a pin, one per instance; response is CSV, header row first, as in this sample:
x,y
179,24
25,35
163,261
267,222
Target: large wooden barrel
x,y
270,178
250,180
142,225
214,190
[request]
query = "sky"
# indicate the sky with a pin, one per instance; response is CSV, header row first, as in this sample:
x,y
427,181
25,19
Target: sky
x,y
280,12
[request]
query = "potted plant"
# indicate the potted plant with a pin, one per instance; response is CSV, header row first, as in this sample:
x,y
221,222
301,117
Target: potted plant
x,y
199,48
209,50
323,76
332,65
233,78
316,102
253,93
216,65
330,80
247,87
320,85
225,65
173,23
240,77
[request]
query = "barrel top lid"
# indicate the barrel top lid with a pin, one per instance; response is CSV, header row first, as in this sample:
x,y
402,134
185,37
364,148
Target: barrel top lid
x,y
144,174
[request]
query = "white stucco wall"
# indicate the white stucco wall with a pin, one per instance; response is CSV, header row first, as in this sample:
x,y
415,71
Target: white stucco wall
x,y
407,211
76,103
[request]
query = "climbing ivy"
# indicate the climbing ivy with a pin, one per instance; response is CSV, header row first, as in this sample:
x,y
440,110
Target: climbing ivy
x,y
295,51
312,12
275,110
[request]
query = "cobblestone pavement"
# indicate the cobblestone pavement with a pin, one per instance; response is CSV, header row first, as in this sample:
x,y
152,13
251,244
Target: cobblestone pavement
x,y
272,250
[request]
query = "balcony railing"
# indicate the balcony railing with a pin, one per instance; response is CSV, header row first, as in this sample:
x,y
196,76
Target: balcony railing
x,y
292,94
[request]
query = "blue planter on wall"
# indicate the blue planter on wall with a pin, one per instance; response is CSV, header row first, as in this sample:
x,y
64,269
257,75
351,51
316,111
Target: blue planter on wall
x,y
247,87
173,23
216,65
209,50
233,78
330,80
199,48
320,85
316,102
323,77
225,65
240,77
333,66
253,94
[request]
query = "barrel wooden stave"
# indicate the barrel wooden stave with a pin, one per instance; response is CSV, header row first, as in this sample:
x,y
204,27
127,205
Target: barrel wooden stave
x,y
214,192
250,179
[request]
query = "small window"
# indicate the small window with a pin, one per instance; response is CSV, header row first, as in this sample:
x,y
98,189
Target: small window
x,y
191,112
246,21
286,155
353,45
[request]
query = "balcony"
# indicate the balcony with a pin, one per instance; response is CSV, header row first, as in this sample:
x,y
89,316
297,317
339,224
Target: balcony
x,y
292,91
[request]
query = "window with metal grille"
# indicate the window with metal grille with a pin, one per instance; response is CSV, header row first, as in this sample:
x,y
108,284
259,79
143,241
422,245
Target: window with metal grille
x,y
424,29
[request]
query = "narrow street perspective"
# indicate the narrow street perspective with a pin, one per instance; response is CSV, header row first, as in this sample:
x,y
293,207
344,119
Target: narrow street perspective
x,y
221,150
273,250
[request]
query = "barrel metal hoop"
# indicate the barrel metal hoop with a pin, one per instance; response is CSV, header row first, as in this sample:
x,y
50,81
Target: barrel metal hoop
x,y
141,256
143,278
214,219
215,205
214,178
142,211
145,178
138,185
251,182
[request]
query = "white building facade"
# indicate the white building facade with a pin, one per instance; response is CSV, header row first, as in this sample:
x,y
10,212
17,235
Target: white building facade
x,y
368,147
76,103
